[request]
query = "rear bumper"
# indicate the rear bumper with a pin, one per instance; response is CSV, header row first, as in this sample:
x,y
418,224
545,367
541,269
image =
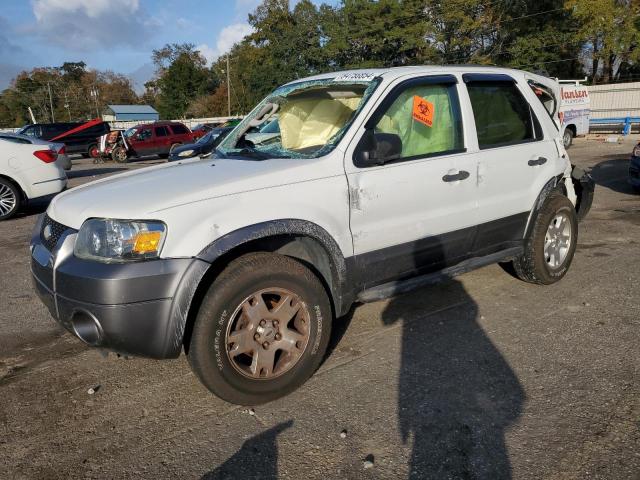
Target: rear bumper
x,y
584,187
136,308
47,187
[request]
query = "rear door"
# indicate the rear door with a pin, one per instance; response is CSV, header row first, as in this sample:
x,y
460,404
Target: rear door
x,y
515,158
415,214
162,140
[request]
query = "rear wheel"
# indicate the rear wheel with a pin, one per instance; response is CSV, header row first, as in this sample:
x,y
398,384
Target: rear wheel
x,y
552,243
567,137
262,329
9,199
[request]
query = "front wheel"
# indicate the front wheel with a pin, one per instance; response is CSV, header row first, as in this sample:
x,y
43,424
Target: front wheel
x,y
552,243
262,329
119,155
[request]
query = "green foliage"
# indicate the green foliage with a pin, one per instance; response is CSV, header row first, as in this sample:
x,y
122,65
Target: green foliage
x,y
182,75
561,38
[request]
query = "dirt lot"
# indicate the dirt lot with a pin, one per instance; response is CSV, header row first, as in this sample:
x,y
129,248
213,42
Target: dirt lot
x,y
482,377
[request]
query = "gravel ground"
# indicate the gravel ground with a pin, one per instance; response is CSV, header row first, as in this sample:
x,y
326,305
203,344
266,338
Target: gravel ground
x,y
481,377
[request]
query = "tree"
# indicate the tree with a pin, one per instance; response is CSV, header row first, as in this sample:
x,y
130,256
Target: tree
x,y
182,75
610,31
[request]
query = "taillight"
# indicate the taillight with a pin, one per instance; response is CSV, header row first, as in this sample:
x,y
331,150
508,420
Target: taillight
x,y
62,151
47,156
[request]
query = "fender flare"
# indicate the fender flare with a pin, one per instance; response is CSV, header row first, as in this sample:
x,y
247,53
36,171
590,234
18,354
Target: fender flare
x,y
552,185
297,228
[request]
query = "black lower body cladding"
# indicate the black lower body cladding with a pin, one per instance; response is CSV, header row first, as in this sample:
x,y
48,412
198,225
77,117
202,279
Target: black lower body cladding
x,y
134,308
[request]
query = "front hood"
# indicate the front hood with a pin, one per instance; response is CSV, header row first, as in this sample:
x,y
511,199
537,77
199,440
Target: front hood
x,y
147,192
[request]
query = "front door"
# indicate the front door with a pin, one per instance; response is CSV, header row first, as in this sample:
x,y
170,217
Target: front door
x,y
417,213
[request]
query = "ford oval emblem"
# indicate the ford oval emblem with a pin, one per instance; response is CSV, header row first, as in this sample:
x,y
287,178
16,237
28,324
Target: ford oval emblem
x,y
46,233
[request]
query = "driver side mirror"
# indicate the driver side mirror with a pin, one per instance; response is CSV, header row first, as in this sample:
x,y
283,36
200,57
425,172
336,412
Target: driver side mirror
x,y
377,148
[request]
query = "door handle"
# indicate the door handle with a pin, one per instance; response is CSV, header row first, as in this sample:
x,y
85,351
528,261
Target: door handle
x,y
455,177
537,161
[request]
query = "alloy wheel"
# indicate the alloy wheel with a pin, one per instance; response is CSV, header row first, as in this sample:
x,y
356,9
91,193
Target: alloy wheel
x,y
557,241
268,333
7,200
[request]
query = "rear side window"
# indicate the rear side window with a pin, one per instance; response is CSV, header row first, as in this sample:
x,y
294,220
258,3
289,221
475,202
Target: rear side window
x,y
161,131
179,129
427,120
502,115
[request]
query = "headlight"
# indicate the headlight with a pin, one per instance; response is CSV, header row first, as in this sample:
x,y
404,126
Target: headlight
x,y
186,153
107,240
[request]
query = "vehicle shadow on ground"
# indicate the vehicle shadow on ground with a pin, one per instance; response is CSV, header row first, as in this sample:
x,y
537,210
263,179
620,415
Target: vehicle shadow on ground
x,y
457,395
260,450
613,174
92,172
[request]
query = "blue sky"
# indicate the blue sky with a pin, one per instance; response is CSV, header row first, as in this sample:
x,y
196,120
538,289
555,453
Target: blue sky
x,y
116,35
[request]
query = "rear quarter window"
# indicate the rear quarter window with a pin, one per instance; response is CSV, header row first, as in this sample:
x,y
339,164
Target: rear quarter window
x,y
179,129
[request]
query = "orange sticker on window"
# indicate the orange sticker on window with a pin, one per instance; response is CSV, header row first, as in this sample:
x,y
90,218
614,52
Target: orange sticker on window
x,y
423,110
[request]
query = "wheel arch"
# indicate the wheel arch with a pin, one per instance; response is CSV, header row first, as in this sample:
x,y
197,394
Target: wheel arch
x,y
17,184
303,240
554,184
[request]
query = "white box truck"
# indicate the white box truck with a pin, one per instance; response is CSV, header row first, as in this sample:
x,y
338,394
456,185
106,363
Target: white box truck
x,y
574,110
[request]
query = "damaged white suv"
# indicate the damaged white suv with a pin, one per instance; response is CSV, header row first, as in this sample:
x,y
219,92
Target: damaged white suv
x,y
374,182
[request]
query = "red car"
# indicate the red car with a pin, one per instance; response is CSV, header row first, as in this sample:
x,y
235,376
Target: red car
x,y
152,139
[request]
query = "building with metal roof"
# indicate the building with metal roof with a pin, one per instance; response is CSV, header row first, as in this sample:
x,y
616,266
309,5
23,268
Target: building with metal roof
x,y
137,113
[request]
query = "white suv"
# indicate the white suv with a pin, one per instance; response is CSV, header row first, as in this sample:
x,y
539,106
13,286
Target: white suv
x,y
378,181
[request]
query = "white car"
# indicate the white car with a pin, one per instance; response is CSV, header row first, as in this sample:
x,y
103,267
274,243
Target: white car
x,y
28,169
62,159
379,181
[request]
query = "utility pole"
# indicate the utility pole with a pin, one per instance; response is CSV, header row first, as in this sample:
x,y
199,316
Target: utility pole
x,y
53,119
33,118
228,89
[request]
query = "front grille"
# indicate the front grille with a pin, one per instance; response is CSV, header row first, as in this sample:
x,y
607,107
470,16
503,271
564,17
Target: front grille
x,y
55,231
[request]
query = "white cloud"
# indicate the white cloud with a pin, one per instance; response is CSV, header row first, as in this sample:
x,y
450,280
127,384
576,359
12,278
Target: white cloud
x,y
227,38
86,25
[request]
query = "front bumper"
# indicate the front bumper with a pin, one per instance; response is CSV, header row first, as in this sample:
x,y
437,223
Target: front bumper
x,y
634,171
134,308
584,186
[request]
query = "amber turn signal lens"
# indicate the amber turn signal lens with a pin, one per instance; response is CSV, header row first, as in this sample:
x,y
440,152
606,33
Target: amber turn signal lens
x,y
147,242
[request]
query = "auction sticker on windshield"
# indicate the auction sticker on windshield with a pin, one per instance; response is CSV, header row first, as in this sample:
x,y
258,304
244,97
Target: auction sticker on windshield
x,y
355,77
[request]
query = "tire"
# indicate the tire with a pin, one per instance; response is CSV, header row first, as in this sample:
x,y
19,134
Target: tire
x,y
536,265
247,284
567,137
10,199
119,155
93,151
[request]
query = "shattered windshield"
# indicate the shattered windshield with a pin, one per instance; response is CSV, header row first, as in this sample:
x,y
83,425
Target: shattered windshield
x,y
301,120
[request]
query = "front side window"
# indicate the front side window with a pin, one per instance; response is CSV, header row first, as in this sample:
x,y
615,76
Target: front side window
x,y
502,115
427,120
144,134
308,119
